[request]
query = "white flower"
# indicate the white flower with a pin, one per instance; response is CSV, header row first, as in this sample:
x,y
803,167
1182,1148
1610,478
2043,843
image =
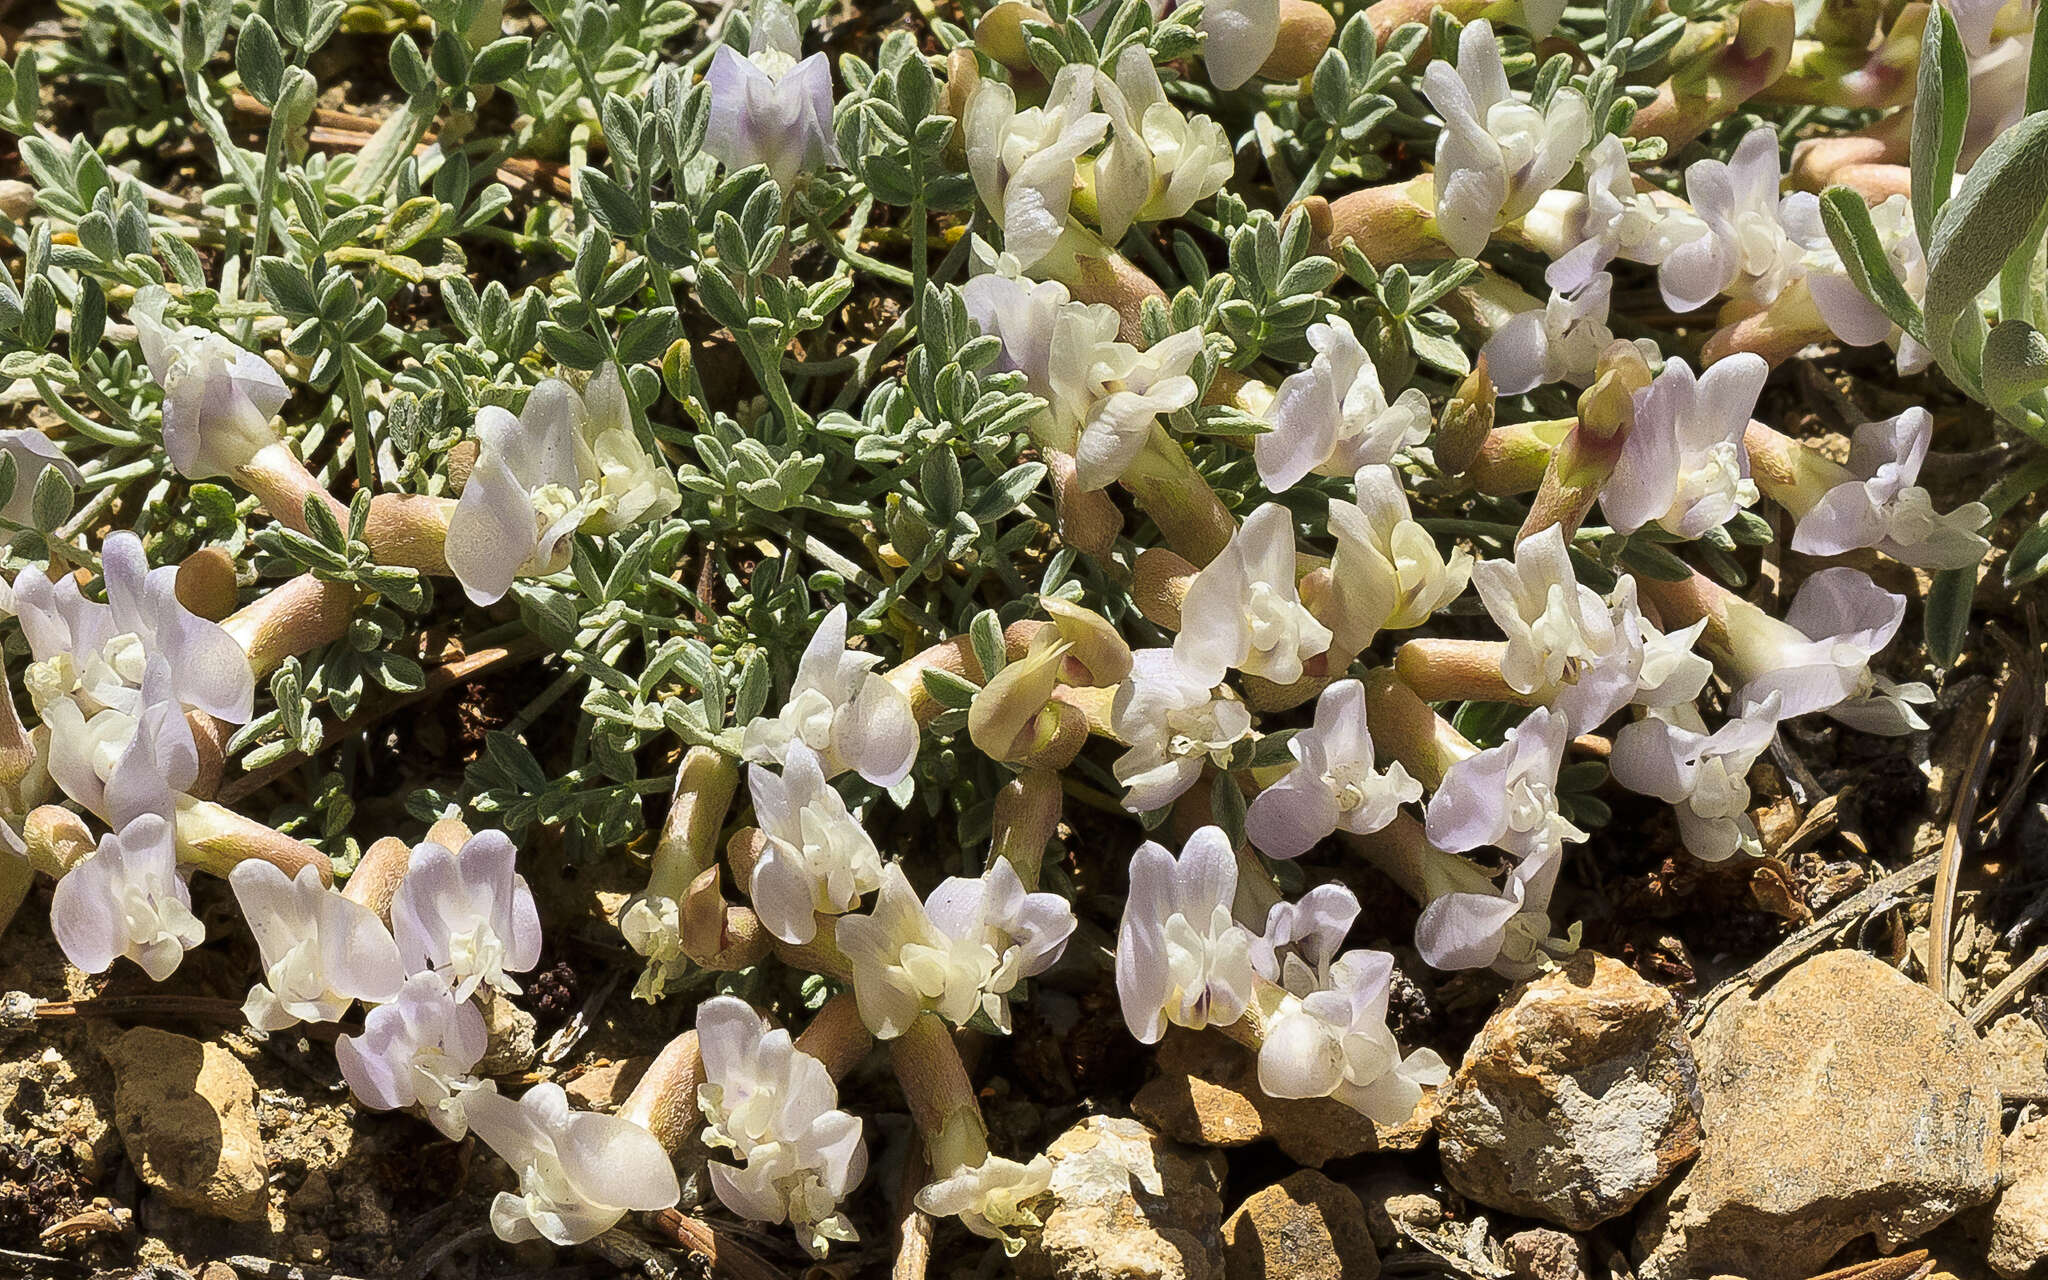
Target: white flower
x,y
1310,929
989,1197
1615,221
321,951
1023,162
1175,722
1745,251
1567,647
768,108
1241,35
1180,956
127,899
1848,311
775,1107
1335,783
1506,930
1877,504
1497,153
959,953
1333,417
568,462
1158,163
843,710
1388,573
652,925
1670,755
1682,465
419,1050
33,453
1560,341
1102,395
818,857
579,1172
1818,658
218,398
89,663
1329,1038
1243,611
1506,796
468,914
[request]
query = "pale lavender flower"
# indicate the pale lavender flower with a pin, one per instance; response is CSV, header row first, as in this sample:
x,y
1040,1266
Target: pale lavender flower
x,y
33,453
1243,611
1334,417
1705,776
1560,341
818,857
127,899
1180,956
1388,572
1818,657
1328,1038
1849,312
1024,162
1614,220
1334,783
1506,929
579,1172
218,398
1240,36
1497,153
1683,466
843,710
419,1050
1309,930
321,951
1175,722
1878,505
776,1109
1746,251
1506,796
767,107
467,914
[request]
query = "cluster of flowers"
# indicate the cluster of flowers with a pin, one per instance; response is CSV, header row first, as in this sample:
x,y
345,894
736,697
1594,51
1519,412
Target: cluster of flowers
x,y
1676,682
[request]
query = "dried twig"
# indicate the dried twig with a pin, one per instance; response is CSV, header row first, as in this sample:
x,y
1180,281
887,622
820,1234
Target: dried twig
x,y
1906,1266
2015,982
913,1225
1955,840
722,1255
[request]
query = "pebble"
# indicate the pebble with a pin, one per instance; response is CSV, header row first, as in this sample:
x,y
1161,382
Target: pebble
x,y
1130,1204
186,1113
1303,1228
2019,1225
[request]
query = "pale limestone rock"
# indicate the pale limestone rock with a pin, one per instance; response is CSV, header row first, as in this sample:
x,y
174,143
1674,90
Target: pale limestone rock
x,y
186,1113
1303,1228
1128,1203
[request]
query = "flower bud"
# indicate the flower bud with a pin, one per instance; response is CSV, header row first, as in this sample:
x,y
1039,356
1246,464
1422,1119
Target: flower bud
x,y
206,583
57,839
1466,420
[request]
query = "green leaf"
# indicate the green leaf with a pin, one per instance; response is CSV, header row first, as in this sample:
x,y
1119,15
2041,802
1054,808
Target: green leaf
x,y
1941,108
1998,210
952,692
2015,367
2028,559
619,210
1854,235
51,504
259,60
500,60
1948,614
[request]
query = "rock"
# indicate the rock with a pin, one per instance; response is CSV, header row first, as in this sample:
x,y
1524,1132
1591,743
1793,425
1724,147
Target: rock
x,y
2019,1055
1207,1095
186,1112
1130,1204
1845,1101
1543,1254
1397,1204
1304,1228
1575,1100
2019,1225
511,1029
604,1086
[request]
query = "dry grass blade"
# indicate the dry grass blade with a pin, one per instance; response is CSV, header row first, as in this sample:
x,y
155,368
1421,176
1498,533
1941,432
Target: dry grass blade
x,y
1954,841
2015,982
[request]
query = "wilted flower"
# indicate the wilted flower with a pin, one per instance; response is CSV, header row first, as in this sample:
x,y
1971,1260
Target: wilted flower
x,y
1848,311
218,398
1388,573
989,1197
1670,755
1506,796
1560,341
1176,721
419,1050
1243,611
568,462
1683,465
321,952
1497,153
818,856
1335,783
843,710
467,914
1615,221
1240,35
1024,162
1180,956
1874,502
1818,658
959,953
579,1172
1102,395
127,899
1328,1038
1333,417
1158,163
1746,251
768,108
1506,929
775,1107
